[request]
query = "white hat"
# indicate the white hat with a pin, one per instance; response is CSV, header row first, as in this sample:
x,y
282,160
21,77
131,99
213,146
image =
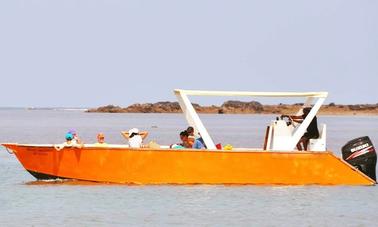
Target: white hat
x,y
133,130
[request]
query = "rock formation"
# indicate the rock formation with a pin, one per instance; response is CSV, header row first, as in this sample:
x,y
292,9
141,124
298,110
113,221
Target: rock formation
x,y
239,107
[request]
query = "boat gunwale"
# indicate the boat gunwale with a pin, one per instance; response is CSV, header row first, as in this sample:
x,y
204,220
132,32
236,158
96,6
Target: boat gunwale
x,y
125,147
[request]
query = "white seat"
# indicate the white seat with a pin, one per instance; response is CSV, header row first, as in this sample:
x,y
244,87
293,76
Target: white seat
x,y
320,143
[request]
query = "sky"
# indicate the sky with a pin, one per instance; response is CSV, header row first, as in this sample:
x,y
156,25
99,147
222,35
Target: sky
x,y
87,53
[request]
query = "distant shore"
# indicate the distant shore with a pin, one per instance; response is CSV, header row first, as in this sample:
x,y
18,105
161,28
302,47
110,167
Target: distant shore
x,y
239,107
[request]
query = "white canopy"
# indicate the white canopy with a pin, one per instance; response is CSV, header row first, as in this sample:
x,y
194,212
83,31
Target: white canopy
x,y
252,94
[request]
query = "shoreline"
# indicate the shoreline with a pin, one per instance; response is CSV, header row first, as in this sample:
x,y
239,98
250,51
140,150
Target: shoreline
x,y
238,107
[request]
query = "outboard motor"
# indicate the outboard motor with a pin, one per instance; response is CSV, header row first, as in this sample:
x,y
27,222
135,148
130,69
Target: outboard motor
x,y
361,154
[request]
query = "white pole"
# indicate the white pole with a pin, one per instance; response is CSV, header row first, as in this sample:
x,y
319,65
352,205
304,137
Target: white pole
x,y
193,119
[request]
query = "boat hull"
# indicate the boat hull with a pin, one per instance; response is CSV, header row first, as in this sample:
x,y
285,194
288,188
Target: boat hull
x,y
163,166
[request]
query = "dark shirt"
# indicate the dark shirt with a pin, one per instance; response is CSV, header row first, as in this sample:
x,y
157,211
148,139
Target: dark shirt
x,y
312,129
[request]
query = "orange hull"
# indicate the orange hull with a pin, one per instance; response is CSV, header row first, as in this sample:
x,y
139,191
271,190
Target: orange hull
x,y
151,166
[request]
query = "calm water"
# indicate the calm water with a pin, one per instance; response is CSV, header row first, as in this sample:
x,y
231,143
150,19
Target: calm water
x,y
23,202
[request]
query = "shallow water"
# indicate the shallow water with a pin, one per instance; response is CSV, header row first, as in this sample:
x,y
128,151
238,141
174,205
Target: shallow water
x,y
25,202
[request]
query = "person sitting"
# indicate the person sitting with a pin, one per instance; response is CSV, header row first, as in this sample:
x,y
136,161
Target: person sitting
x,y
135,137
184,136
69,143
197,143
190,131
101,140
312,131
76,138
200,139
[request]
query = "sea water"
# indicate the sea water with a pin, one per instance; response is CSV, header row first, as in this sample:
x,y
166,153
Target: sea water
x,y
25,202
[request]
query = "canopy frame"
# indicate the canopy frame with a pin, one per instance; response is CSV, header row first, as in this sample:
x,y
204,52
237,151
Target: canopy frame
x,y
194,120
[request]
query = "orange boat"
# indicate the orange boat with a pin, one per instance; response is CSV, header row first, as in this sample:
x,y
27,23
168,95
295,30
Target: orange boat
x,y
277,163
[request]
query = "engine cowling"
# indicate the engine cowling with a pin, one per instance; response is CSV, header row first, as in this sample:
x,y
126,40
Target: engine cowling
x,y
361,154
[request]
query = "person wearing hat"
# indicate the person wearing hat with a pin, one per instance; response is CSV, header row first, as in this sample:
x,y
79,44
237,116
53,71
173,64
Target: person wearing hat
x,y
76,138
135,137
69,143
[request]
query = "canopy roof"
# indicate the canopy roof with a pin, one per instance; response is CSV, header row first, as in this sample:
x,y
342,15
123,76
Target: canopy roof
x,y
252,94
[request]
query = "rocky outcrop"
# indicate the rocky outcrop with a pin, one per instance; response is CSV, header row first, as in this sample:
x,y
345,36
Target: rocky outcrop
x,y
239,107
107,109
159,107
174,107
363,107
